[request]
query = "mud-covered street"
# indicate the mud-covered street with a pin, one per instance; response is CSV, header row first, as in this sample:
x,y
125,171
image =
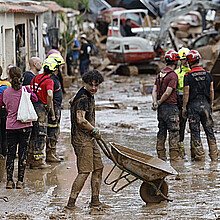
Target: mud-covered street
x,y
124,116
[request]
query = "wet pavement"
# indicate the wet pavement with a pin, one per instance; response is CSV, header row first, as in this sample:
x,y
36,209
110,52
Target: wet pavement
x,y
124,116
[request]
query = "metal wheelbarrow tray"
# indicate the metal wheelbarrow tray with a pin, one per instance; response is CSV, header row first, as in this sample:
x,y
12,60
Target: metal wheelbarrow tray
x,y
149,169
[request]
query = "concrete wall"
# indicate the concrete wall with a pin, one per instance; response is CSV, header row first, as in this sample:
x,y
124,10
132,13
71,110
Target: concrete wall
x,y
7,37
7,41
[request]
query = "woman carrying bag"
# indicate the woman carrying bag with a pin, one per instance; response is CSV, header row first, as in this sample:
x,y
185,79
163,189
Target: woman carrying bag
x,y
18,133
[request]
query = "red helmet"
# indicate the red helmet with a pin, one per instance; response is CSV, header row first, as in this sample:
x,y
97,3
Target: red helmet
x,y
193,56
171,55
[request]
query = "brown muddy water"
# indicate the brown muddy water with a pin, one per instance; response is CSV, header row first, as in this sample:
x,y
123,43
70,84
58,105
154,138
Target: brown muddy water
x,y
126,119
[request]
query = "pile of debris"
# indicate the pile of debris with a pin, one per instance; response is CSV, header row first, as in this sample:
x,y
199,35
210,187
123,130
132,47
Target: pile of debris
x,y
188,32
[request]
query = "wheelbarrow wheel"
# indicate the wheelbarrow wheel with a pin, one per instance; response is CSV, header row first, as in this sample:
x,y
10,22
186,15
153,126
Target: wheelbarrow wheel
x,y
148,192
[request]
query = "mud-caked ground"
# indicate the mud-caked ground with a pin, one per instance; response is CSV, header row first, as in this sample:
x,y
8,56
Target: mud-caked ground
x,y
123,116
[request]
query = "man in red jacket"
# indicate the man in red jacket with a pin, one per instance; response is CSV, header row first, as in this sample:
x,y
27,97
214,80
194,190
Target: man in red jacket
x,y
42,85
165,100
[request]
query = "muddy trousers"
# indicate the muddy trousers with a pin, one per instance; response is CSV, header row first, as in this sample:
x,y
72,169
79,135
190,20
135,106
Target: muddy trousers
x,y
39,132
199,111
182,121
168,117
20,138
3,139
53,130
95,185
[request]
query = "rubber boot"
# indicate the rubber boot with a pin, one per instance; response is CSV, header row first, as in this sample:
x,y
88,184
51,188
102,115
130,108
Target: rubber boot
x,y
57,156
213,150
161,150
2,166
174,147
50,149
50,157
181,150
174,155
39,164
30,158
197,150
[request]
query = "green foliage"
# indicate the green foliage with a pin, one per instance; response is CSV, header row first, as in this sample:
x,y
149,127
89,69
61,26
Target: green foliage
x,y
72,3
67,35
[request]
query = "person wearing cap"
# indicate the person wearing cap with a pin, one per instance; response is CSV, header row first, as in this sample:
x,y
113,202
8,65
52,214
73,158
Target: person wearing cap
x,y
198,100
181,71
165,101
42,85
85,51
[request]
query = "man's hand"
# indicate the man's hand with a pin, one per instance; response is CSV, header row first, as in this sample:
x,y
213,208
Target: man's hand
x,y
96,134
184,113
155,105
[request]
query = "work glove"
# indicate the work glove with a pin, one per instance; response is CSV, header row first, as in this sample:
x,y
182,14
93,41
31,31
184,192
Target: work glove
x,y
155,105
184,113
96,134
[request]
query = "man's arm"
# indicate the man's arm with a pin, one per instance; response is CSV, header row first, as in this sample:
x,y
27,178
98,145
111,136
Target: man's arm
x,y
50,104
81,120
154,93
185,96
166,94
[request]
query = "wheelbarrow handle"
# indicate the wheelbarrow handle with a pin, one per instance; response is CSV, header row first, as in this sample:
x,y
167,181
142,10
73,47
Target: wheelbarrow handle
x,y
102,144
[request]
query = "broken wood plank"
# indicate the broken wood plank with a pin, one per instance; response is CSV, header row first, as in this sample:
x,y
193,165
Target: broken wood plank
x,y
105,63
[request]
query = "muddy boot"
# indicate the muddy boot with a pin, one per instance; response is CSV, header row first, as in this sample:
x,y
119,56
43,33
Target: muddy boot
x,y
174,155
161,151
39,164
173,146
57,156
30,158
2,167
193,151
181,150
197,151
213,150
50,157
71,204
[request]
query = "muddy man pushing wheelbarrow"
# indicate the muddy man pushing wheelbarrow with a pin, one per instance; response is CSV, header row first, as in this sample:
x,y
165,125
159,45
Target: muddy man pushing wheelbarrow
x,y
149,169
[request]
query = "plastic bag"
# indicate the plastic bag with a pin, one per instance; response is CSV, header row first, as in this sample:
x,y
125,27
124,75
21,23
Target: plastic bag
x,y
26,111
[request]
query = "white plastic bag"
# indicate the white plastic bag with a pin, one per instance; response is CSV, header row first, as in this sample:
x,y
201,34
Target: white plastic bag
x,y
26,111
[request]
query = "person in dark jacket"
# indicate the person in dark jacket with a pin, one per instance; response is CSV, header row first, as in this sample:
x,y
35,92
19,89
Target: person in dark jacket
x,y
35,66
127,28
198,100
85,51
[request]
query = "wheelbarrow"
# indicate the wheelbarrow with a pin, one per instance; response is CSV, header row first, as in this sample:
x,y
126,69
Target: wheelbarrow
x,y
135,166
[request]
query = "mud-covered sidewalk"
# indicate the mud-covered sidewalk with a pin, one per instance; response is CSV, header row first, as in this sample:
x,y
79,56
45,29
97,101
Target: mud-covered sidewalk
x,y
124,116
